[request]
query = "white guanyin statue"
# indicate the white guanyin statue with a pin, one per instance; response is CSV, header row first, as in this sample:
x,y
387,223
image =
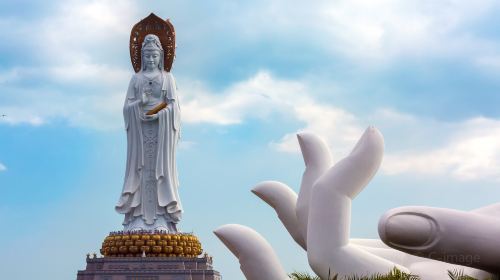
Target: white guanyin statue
x,y
150,199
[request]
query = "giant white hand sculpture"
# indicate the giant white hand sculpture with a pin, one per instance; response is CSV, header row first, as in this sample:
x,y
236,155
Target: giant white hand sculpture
x,y
319,218
328,246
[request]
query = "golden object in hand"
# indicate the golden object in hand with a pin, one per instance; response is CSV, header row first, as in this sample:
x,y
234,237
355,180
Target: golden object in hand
x,y
156,109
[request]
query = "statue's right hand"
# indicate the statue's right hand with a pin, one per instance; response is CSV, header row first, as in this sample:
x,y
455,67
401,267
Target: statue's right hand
x,y
145,98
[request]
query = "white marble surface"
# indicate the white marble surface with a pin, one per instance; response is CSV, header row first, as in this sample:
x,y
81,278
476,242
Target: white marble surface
x,y
331,189
149,199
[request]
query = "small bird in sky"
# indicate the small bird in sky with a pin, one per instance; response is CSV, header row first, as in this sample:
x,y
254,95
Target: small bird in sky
x,y
3,116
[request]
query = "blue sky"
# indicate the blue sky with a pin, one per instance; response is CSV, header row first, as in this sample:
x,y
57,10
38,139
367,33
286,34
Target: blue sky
x,y
250,75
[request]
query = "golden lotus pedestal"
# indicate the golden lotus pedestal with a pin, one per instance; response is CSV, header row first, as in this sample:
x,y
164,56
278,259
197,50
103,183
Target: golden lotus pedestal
x,y
150,256
157,244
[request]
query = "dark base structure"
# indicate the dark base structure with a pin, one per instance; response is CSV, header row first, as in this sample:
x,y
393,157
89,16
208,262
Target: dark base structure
x,y
149,268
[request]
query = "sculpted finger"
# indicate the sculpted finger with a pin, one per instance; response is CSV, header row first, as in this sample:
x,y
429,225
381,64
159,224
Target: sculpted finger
x,y
372,243
329,221
283,199
317,159
350,175
258,261
348,261
490,210
314,150
330,214
452,236
379,248
392,255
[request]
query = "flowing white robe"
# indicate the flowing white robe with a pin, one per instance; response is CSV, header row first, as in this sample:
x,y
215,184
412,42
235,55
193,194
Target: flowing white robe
x,y
167,209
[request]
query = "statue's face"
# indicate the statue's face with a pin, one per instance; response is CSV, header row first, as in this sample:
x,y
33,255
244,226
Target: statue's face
x,y
151,59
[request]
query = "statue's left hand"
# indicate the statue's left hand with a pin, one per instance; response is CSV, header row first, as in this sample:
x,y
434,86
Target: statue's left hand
x,y
151,117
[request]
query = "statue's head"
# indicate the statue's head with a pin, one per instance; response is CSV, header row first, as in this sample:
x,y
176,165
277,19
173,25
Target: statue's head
x,y
152,53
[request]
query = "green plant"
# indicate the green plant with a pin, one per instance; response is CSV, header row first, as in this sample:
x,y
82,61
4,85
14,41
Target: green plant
x,y
458,274
302,276
394,274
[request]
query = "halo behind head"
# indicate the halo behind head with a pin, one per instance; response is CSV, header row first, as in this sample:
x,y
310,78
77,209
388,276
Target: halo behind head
x,y
163,30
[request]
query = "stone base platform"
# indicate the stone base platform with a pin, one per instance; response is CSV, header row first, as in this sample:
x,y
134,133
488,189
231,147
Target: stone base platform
x,y
149,268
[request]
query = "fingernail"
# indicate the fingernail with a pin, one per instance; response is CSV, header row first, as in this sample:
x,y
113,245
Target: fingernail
x,y
409,230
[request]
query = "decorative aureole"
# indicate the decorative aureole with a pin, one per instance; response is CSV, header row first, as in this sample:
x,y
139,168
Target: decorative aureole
x,y
159,27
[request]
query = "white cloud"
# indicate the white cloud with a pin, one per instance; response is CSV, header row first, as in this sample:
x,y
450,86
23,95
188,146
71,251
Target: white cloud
x,y
2,167
97,111
360,29
489,64
465,150
81,26
258,96
75,44
471,151
262,96
378,29
187,145
391,27
69,45
9,75
74,41
338,126
93,73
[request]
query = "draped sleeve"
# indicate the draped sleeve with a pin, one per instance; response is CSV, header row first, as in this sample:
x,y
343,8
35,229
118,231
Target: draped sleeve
x,y
170,92
130,196
130,99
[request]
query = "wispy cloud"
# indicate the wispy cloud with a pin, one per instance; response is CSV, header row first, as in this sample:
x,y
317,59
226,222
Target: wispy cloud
x,y
258,96
471,151
2,167
41,107
68,79
380,29
187,145
262,96
75,42
73,45
466,150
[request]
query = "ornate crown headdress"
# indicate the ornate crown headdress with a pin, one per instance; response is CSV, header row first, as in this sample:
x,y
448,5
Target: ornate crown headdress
x,y
166,35
152,41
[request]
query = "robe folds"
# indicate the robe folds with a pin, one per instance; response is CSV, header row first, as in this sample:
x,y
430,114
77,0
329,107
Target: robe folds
x,y
150,190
